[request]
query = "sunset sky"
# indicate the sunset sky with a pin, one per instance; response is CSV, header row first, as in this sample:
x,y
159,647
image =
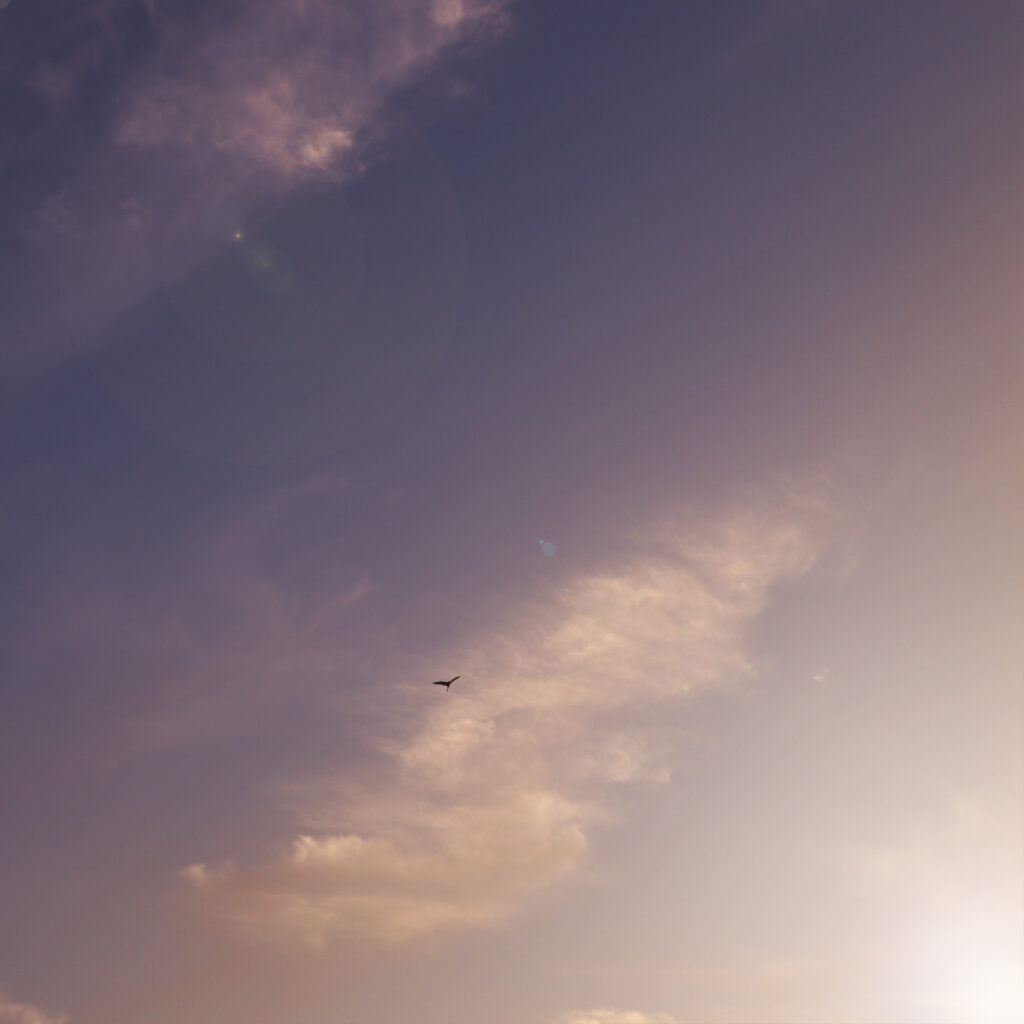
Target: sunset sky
x,y
653,365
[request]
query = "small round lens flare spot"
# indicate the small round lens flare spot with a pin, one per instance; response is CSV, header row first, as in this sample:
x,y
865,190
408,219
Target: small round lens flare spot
x,y
224,221
546,547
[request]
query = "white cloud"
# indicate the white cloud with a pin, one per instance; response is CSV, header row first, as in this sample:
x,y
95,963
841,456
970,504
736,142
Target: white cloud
x,y
489,796
25,1013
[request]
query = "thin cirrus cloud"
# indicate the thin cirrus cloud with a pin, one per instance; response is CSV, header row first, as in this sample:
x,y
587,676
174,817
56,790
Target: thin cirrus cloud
x,y
272,639
613,1017
489,797
25,1013
210,648
245,104
285,88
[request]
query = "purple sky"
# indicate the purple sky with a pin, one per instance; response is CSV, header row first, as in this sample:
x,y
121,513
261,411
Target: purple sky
x,y
656,367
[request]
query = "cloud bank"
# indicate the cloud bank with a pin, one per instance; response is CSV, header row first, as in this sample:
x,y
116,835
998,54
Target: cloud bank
x,y
488,796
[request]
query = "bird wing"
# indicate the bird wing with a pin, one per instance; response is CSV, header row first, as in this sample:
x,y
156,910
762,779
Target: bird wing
x,y
452,680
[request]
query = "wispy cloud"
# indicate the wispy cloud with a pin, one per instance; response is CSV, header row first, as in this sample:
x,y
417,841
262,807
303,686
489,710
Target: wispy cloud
x,y
25,1013
491,792
247,101
287,87
232,631
613,1017
246,637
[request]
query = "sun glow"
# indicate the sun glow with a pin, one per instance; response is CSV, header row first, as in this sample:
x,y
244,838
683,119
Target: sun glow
x,y
986,992
970,981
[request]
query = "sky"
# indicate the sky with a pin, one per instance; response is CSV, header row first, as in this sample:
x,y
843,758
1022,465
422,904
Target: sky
x,y
656,368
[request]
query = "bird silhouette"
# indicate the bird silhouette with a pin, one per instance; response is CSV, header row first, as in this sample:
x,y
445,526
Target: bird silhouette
x,y
445,682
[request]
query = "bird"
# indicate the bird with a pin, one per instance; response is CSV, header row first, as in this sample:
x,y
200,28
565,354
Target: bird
x,y
446,683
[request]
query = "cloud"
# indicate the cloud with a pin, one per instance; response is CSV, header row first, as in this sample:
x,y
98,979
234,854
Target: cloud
x,y
433,868
245,101
613,1017
243,635
48,59
488,794
286,88
26,1013
252,612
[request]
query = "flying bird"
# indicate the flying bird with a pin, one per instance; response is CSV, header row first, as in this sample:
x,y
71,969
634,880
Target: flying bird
x,y
445,682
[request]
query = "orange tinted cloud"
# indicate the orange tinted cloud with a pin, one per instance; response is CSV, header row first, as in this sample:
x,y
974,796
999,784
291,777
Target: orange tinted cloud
x,y
490,796
25,1013
613,1017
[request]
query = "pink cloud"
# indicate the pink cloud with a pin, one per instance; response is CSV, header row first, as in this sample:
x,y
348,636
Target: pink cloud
x,y
490,794
250,103
287,88
25,1013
